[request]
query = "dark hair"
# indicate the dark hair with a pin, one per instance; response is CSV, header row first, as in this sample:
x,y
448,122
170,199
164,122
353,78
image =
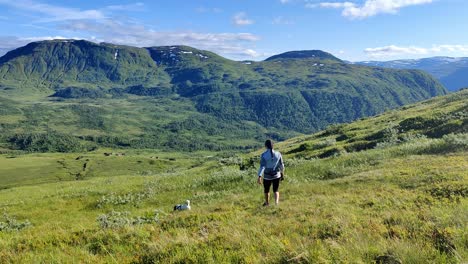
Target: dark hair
x,y
269,145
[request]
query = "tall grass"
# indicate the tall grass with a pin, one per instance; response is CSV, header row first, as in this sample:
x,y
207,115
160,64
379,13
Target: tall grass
x,y
405,202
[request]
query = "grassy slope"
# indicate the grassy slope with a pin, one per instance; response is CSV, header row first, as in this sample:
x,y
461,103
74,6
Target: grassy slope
x,y
432,118
405,199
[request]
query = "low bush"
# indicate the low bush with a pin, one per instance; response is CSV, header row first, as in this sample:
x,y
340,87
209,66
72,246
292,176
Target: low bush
x,y
50,141
449,191
116,219
11,224
78,92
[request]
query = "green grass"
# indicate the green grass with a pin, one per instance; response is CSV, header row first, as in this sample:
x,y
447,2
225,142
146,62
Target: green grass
x,y
28,169
378,205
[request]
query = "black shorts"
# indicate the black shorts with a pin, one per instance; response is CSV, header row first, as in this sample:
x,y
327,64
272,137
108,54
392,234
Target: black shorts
x,y
267,184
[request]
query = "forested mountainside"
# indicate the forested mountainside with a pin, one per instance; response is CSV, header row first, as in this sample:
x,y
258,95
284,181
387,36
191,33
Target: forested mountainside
x,y
88,95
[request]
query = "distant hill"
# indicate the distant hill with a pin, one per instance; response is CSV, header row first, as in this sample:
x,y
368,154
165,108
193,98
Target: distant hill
x,y
182,97
452,72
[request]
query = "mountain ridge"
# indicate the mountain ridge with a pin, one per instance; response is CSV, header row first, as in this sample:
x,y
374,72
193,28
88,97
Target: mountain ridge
x,y
452,72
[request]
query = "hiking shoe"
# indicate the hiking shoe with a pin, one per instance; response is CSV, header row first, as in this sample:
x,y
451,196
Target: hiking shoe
x,y
265,204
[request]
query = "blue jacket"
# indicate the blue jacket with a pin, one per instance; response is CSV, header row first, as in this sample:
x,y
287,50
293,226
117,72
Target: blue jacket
x,y
270,166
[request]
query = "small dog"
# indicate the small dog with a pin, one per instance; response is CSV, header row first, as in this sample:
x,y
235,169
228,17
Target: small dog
x,y
182,207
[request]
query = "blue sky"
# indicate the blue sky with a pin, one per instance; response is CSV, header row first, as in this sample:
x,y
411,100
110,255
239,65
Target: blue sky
x,y
250,29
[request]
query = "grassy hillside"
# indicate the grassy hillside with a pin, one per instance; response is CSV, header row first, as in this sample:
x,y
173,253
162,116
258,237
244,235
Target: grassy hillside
x,y
429,119
401,201
79,95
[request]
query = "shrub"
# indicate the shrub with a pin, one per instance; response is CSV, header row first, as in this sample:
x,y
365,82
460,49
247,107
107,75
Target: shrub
x,y
360,146
294,162
388,134
456,142
128,198
449,191
228,161
116,219
329,230
48,142
442,241
332,153
342,137
248,164
449,143
78,92
301,148
11,224
325,143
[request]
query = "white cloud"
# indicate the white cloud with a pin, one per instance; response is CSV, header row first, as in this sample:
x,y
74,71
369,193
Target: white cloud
x,y
228,44
285,1
208,10
8,43
337,5
393,50
369,7
99,25
31,39
240,19
129,7
281,21
252,53
52,12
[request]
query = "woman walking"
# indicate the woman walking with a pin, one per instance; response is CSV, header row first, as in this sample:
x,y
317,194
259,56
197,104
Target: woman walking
x,y
272,169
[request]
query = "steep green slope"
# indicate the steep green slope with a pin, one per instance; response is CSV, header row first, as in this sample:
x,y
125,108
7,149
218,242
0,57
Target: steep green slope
x,y
403,201
174,96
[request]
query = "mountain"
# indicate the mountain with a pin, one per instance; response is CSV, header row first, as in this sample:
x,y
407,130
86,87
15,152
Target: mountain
x,y
304,54
452,72
63,63
91,94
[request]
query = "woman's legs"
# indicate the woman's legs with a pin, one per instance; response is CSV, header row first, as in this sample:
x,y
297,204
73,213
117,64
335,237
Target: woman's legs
x,y
266,187
275,190
266,190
